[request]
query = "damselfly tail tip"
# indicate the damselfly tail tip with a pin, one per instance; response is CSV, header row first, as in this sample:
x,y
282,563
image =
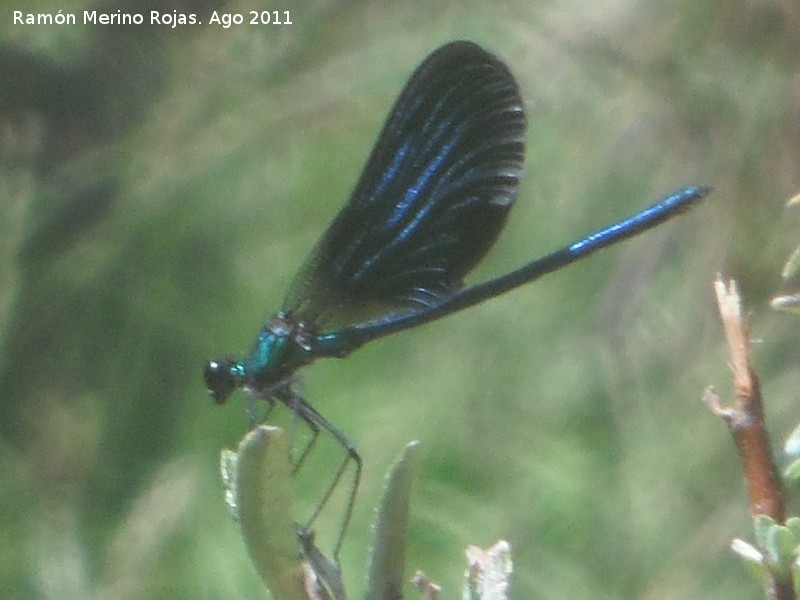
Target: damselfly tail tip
x,y
704,190
688,197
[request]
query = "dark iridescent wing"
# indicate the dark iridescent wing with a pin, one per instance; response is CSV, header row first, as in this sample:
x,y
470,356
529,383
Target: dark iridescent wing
x,y
432,199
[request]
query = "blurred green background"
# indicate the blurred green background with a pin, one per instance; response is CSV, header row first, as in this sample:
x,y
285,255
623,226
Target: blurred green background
x,y
161,186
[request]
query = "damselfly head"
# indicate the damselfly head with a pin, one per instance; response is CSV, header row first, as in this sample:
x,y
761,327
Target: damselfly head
x,y
221,378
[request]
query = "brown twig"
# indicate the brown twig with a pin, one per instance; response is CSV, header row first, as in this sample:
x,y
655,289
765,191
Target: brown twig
x,y
745,420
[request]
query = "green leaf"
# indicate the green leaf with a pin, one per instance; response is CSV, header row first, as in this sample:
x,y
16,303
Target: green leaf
x,y
780,550
791,447
748,553
762,524
792,264
258,485
788,304
777,542
791,472
793,523
387,558
781,544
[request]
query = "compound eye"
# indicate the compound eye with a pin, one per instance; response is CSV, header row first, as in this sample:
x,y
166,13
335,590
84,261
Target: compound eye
x,y
219,378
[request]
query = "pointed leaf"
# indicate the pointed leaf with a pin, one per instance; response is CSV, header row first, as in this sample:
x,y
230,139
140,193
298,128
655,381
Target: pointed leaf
x,y
263,497
387,558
